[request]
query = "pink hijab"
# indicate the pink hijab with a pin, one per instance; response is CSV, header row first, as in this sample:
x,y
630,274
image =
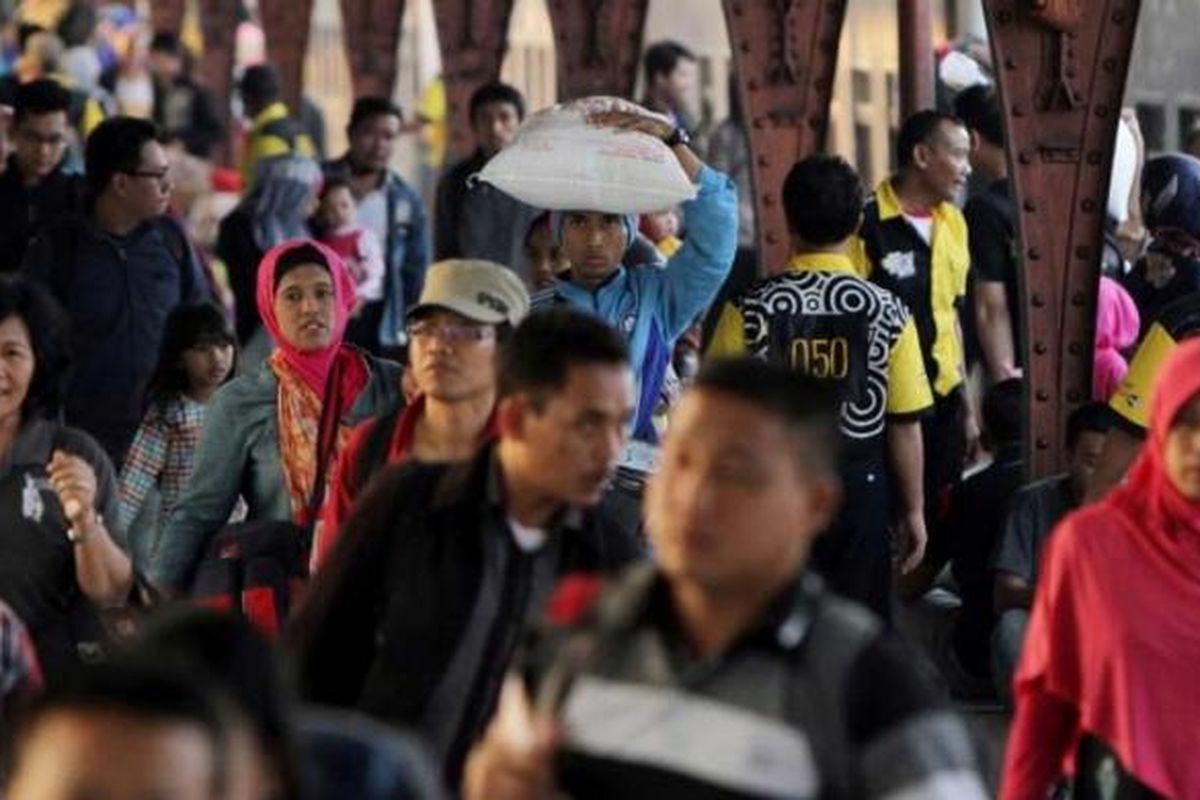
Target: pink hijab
x,y
313,367
1117,325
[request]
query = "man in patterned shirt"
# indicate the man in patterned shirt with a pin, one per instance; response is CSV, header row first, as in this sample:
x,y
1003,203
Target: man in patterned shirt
x,y
819,317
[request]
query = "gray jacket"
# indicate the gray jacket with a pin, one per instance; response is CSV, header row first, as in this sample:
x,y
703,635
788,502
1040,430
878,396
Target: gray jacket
x,y
238,455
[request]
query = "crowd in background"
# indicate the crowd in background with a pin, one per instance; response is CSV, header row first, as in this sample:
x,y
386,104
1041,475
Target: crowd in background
x,y
305,488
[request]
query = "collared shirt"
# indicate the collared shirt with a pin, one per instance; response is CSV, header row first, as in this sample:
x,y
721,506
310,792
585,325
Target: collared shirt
x,y
812,700
26,210
821,318
931,280
263,144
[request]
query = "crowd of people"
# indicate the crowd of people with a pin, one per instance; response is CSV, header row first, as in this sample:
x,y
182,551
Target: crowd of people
x,y
340,498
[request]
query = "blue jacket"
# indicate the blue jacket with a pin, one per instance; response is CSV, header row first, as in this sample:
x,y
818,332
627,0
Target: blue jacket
x,y
238,455
406,251
653,306
118,292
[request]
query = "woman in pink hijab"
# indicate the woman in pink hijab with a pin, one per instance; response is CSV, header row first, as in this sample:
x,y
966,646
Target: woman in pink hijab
x,y
1117,325
1107,686
260,437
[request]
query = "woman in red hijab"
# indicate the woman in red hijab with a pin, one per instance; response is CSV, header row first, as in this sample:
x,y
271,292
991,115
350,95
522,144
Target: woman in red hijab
x,y
1111,658
260,436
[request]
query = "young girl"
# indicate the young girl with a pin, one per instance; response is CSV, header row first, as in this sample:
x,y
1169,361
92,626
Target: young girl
x,y
360,249
197,356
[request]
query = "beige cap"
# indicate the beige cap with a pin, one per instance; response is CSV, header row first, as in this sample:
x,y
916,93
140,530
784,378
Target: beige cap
x,y
482,291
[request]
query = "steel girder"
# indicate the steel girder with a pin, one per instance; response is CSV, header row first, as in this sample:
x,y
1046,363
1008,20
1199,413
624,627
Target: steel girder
x,y
218,22
599,45
286,25
473,35
785,53
372,31
1062,77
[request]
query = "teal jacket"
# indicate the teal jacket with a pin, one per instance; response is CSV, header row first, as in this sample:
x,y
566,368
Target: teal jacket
x,y
238,456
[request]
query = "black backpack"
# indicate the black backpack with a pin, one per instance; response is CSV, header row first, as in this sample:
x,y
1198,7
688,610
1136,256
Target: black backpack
x,y
257,569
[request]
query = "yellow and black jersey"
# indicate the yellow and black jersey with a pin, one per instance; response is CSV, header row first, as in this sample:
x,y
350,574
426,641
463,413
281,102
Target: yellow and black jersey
x,y
824,320
931,280
1131,402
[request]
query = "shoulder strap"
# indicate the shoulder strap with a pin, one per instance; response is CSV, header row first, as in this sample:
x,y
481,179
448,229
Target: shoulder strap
x,y
285,128
177,245
327,432
375,447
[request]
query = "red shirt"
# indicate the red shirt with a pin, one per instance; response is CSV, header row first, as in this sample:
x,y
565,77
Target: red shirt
x,y
346,483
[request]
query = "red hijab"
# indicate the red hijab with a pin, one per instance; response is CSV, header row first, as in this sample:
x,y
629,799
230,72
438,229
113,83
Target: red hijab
x,y
314,367
1115,629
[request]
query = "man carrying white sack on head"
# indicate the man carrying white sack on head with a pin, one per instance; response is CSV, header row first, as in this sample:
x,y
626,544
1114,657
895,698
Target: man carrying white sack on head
x,y
650,306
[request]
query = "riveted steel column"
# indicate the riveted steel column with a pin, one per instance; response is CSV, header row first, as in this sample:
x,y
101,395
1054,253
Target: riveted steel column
x,y
285,26
473,35
784,52
916,55
599,44
372,31
167,15
218,23
1062,77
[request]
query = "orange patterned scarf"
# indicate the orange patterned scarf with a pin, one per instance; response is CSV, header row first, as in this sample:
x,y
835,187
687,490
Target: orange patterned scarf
x,y
299,409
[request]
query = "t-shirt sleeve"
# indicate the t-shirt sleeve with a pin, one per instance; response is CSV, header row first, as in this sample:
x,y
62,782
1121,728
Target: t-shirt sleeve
x,y
907,741
989,243
1131,402
729,338
908,385
1014,554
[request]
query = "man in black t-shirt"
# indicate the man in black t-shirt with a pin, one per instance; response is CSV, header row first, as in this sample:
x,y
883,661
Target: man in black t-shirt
x,y
992,223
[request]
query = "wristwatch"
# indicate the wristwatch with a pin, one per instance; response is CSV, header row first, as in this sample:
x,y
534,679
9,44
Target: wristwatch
x,y
77,537
678,136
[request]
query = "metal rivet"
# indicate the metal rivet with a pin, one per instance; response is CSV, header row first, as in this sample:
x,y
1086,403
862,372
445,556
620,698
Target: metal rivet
x,y
1101,111
1025,157
1088,206
1030,206
1073,396
1010,63
1037,301
1095,158
1039,348
772,238
1110,64
763,161
1074,348
1018,110
1033,254
1042,444
1004,17
1083,253
752,85
816,121
1078,299
1118,17
1043,396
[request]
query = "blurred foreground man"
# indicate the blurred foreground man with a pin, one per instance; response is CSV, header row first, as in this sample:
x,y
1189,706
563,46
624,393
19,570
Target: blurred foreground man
x,y
727,671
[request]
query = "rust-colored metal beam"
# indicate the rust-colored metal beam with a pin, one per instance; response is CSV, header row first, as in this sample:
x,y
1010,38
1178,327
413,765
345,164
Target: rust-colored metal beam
x,y
218,21
286,25
473,35
599,44
1062,77
785,53
167,15
372,31
916,55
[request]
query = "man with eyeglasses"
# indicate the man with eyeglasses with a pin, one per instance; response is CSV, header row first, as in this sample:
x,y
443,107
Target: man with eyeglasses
x,y
422,605
36,189
118,270
467,309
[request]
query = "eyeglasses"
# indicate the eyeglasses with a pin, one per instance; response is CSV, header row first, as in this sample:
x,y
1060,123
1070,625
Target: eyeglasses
x,y
453,334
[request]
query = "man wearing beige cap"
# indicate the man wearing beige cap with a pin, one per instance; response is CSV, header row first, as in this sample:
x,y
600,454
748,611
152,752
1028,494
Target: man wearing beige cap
x,y
467,309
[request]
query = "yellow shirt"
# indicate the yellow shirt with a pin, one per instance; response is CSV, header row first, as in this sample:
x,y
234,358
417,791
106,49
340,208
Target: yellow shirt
x,y
263,144
822,318
931,280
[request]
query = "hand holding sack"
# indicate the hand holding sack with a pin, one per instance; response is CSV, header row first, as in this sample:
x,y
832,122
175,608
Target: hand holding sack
x,y
593,154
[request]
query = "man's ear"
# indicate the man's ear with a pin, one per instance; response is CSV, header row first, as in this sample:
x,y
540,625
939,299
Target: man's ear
x,y
922,154
512,414
825,493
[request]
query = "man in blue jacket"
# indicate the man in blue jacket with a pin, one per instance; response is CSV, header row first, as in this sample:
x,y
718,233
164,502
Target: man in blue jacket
x,y
652,306
119,271
392,210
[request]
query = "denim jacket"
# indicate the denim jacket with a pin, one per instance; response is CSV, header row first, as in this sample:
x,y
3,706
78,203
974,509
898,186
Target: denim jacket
x,y
238,455
406,252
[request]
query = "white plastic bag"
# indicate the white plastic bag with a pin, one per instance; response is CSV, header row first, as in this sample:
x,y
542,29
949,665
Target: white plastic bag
x,y
558,161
